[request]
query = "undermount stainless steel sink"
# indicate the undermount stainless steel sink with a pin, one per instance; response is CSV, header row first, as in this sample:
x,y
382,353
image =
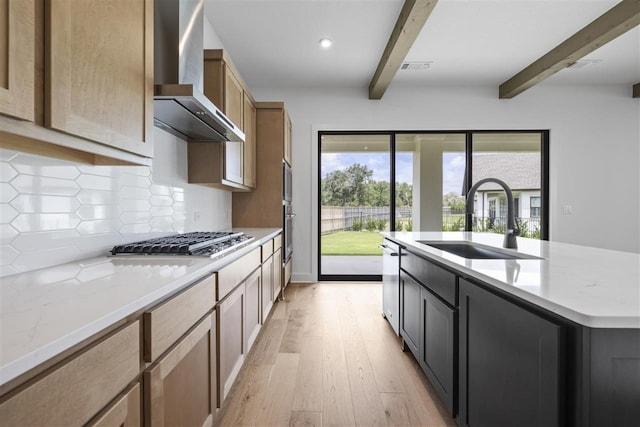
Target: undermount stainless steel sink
x,y
474,251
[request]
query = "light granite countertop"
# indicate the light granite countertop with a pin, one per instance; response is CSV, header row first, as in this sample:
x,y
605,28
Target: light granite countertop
x,y
598,288
45,312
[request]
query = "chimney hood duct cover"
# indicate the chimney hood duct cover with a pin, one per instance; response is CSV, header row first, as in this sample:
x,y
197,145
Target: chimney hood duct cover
x,y
179,104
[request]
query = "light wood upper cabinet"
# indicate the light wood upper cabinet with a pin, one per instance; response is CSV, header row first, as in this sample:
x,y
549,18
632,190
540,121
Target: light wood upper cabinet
x,y
224,86
249,150
99,71
233,98
287,139
226,89
17,56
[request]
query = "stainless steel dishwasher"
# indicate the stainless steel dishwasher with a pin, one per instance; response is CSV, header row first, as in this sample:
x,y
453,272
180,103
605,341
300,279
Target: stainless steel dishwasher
x,y
390,283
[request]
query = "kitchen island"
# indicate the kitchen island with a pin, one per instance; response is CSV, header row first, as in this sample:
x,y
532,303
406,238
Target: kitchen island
x,y
549,338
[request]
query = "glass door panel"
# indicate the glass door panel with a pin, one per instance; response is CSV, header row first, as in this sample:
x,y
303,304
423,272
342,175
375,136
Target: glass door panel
x,y
429,185
355,194
516,159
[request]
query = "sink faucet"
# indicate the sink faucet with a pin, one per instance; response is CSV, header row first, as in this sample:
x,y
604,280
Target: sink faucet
x,y
512,229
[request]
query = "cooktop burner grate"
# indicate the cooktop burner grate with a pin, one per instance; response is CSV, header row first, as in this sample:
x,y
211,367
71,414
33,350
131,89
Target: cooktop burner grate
x,y
194,243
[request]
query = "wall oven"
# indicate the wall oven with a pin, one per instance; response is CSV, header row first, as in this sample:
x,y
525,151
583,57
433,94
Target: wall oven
x,y
287,184
288,228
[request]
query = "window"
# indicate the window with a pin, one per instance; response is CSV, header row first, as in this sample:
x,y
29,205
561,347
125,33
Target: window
x,y
535,207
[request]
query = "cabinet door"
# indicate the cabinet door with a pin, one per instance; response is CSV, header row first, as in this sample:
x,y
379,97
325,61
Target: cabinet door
x,y
510,363
233,98
99,71
252,319
249,149
410,318
17,56
80,388
181,387
233,168
277,274
437,346
125,412
287,138
232,351
267,288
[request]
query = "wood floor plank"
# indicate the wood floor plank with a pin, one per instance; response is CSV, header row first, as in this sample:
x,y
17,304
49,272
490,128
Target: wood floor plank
x,y
245,400
396,409
306,419
365,398
268,342
278,397
337,409
308,390
292,338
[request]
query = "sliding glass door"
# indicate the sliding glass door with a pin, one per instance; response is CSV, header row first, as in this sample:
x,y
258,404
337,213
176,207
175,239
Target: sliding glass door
x,y
418,181
355,195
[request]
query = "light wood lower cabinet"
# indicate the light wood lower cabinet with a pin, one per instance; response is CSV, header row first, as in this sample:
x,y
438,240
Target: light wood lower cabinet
x,y
181,386
230,330
252,317
277,274
72,394
125,412
267,294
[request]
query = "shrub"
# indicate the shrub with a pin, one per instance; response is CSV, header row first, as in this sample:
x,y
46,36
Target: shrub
x,y
382,224
371,224
399,226
457,225
409,226
357,225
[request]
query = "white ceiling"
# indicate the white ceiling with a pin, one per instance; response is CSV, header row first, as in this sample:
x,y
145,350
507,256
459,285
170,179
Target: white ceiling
x,y
274,44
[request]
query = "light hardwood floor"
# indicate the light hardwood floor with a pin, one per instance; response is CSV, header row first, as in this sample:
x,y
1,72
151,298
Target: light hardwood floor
x,y
326,357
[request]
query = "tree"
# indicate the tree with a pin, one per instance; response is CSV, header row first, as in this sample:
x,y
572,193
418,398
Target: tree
x,y
454,201
347,187
404,194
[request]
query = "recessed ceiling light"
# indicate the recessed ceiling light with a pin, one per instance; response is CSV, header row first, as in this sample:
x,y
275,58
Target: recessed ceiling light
x,y
325,43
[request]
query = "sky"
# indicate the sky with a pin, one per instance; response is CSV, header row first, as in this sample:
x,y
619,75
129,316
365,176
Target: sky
x,y
453,167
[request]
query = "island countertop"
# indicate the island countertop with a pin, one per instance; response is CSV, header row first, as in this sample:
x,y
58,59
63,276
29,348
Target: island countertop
x,y
47,311
594,287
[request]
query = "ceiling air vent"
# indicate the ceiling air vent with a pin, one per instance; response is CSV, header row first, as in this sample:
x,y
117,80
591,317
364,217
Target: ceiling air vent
x,y
581,63
416,66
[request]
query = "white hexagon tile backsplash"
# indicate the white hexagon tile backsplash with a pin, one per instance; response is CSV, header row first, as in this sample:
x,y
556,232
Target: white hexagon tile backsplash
x,y
53,211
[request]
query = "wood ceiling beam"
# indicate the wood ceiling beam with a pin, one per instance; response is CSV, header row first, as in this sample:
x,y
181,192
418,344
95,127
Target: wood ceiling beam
x,y
613,23
636,90
413,16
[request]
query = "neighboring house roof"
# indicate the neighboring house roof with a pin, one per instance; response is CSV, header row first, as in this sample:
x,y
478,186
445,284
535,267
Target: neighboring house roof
x,y
520,171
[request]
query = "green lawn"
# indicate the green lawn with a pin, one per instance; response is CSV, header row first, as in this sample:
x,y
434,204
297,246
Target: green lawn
x,y
352,243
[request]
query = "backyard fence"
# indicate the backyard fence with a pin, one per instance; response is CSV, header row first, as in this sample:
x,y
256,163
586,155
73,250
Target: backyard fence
x,y
347,218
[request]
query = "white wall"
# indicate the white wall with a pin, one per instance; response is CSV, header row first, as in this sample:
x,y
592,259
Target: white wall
x,y
594,145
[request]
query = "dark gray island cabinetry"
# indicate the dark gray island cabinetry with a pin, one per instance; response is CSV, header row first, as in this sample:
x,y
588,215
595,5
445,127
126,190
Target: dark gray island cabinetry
x,y
428,322
511,363
550,338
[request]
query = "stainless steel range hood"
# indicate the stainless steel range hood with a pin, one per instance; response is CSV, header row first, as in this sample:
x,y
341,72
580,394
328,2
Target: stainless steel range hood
x,y
179,105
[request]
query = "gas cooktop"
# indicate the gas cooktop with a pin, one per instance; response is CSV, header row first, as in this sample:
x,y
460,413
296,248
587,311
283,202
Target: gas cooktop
x,y
209,244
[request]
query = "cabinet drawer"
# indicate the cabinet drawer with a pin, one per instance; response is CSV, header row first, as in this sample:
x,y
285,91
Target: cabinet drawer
x,y
230,276
277,242
74,393
167,322
267,250
440,281
125,412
